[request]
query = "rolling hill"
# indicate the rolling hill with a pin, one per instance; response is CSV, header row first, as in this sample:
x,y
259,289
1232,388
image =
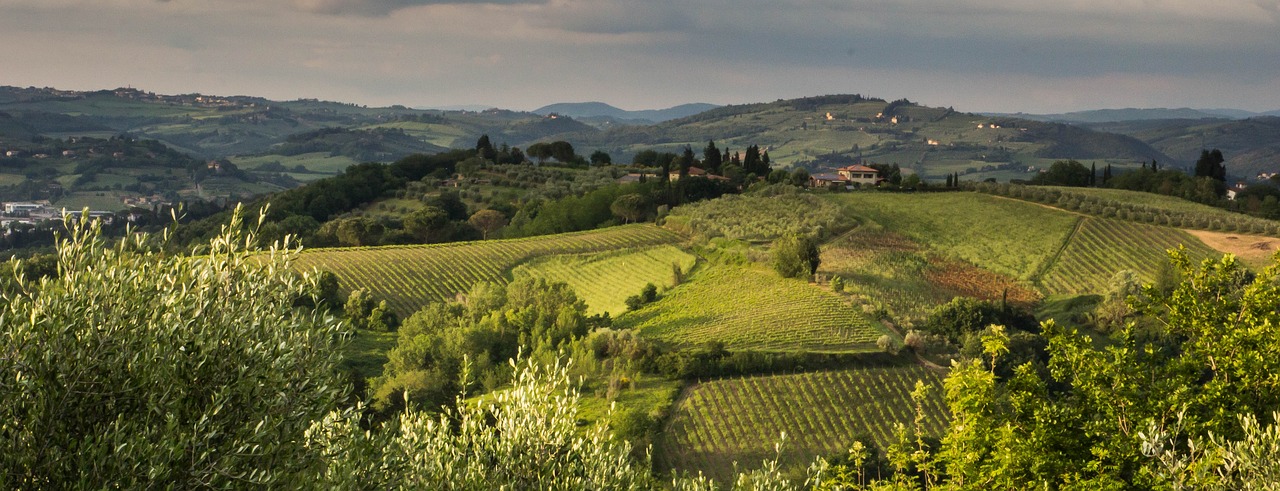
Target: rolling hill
x,y
588,110
1251,145
814,132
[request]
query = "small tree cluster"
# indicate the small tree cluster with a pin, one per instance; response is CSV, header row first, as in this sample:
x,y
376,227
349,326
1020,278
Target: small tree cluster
x,y
795,256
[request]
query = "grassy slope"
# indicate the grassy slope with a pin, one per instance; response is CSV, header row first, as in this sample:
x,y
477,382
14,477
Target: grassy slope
x,y
605,280
720,422
409,277
1005,236
751,308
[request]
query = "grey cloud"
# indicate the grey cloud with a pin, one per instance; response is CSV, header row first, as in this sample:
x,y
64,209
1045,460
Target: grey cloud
x,y
381,7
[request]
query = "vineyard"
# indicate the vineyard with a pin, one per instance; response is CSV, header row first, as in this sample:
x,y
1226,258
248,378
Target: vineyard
x,y
409,277
889,271
1005,236
1137,207
605,280
759,217
1103,247
739,420
753,309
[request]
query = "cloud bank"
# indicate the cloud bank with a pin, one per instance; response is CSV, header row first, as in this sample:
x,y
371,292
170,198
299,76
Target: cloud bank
x,y
976,55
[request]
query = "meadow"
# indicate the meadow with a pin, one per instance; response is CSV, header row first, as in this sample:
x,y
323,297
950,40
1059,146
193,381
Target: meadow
x,y
752,308
719,422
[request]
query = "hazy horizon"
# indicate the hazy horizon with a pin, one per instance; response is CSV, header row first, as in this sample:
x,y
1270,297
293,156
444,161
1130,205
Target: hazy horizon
x,y
973,55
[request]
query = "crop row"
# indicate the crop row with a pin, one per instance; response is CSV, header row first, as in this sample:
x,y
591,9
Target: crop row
x,y
753,309
1136,208
605,280
740,420
1104,247
409,277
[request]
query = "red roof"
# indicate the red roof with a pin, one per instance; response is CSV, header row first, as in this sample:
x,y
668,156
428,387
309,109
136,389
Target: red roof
x,y
857,168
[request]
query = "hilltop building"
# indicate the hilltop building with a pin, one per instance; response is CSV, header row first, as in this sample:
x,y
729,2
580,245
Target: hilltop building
x,y
860,174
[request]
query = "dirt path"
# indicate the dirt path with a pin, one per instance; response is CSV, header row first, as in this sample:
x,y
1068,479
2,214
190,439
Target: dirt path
x,y
919,359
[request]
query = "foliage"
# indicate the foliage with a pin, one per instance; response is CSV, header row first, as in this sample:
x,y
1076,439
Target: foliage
x,y
963,315
1065,173
747,309
493,324
761,215
795,256
133,369
1108,417
410,277
524,437
487,221
1215,462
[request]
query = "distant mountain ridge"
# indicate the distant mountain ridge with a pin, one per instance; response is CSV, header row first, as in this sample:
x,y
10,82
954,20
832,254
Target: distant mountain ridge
x,y
601,110
1139,114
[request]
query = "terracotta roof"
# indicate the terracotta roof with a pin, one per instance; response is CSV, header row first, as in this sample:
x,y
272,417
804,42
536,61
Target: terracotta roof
x,y
857,168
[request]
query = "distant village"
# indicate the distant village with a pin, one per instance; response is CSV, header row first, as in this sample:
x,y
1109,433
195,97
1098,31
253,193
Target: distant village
x,y
35,213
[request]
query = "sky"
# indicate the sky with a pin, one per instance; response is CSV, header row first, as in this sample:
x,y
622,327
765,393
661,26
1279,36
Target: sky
x,y
1034,56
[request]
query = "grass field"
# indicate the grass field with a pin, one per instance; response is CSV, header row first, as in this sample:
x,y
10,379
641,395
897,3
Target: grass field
x,y
724,421
605,280
753,309
1005,236
320,162
1103,247
409,277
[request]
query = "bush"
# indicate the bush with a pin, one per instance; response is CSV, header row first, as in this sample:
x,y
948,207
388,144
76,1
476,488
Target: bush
x,y
139,370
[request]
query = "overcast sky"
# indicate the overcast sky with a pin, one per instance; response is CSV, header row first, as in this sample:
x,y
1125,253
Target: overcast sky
x,y
974,55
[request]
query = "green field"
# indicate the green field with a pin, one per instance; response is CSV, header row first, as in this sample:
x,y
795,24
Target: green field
x,y
321,163
605,280
1103,247
754,309
409,277
1005,236
720,422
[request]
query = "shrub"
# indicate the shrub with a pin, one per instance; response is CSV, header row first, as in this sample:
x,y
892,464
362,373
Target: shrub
x,y
140,370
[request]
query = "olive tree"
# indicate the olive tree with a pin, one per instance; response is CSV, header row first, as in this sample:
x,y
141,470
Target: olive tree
x,y
132,368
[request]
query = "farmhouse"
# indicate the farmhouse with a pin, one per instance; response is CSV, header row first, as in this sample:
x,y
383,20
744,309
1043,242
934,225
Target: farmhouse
x,y
827,180
674,175
860,174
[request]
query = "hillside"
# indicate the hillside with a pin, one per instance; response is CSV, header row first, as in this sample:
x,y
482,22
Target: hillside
x,y
1251,145
832,131
815,132
606,112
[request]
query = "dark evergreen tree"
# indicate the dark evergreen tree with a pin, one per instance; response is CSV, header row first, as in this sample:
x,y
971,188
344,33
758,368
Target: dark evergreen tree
x,y
1093,174
752,164
484,148
711,158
